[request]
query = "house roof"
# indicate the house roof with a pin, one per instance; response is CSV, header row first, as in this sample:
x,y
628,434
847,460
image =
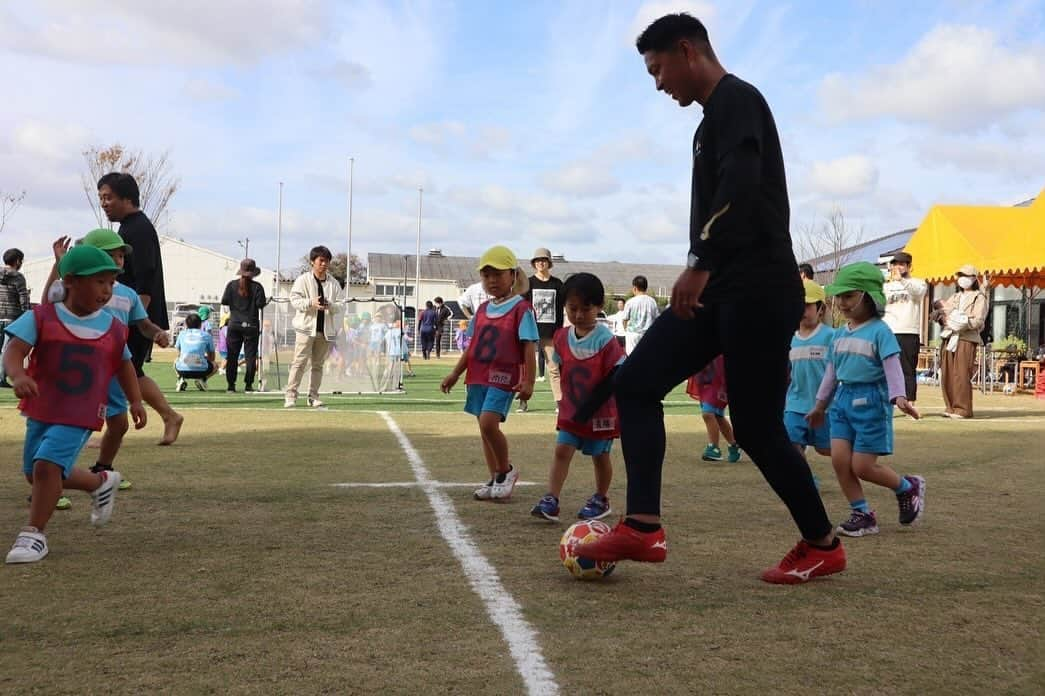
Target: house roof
x,y
614,275
870,251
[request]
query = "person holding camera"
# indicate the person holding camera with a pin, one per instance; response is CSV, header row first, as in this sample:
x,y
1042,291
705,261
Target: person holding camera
x,y
316,298
903,313
245,299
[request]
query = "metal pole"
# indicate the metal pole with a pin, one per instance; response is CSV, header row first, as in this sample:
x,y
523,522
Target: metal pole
x,y
417,285
348,258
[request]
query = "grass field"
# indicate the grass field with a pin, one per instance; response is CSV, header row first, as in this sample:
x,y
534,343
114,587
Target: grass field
x,y
235,565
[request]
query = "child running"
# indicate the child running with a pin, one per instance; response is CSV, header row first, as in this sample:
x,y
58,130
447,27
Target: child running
x,y
501,359
864,364
709,388
74,350
809,348
126,307
586,352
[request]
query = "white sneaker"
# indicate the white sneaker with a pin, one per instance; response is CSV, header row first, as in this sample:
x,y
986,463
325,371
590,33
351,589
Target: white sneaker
x,y
182,385
289,401
201,385
503,490
485,491
103,498
315,402
30,546
541,379
524,406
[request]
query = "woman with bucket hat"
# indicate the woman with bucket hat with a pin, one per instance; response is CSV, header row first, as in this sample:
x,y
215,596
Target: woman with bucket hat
x,y
962,316
545,295
245,299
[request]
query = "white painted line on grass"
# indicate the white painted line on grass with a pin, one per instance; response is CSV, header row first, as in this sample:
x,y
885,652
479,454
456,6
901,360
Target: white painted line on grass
x,y
504,611
414,484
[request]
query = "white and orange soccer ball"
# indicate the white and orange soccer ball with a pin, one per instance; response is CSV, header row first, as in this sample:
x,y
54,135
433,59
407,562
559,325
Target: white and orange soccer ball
x,y
579,533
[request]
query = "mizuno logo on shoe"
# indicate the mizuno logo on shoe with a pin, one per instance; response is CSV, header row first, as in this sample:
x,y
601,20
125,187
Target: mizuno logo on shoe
x,y
660,545
804,574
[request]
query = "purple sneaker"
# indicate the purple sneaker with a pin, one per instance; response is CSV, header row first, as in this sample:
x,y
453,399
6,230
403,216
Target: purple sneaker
x,y
912,503
547,508
859,524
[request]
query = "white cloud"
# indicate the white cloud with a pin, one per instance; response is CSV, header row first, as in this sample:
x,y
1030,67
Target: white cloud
x,y
845,177
706,12
439,134
203,90
1011,160
585,179
955,77
349,74
131,32
60,142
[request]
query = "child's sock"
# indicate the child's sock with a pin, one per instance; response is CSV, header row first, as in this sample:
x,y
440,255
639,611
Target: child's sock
x,y
645,527
904,486
99,468
502,474
860,505
830,547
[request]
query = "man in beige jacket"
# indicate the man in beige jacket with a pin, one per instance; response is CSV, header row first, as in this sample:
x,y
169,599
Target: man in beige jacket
x,y
316,298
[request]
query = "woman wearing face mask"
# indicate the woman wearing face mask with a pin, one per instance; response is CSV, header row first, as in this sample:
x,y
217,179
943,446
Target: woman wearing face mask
x,y
962,316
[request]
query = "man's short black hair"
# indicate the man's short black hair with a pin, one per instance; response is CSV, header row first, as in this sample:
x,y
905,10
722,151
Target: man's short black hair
x,y
806,271
123,185
438,300
666,32
193,321
586,287
13,256
640,282
319,252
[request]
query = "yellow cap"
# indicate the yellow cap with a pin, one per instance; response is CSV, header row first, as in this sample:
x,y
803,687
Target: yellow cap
x,y
499,257
814,293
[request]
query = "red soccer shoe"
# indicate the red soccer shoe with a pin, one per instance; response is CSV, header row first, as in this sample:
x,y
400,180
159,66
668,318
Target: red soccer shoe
x,y
626,544
805,562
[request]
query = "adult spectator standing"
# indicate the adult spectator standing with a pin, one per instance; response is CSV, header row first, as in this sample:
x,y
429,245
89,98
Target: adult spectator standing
x,y
143,272
245,299
472,298
962,316
617,324
14,299
640,311
316,298
903,314
806,272
546,296
443,316
426,327
740,257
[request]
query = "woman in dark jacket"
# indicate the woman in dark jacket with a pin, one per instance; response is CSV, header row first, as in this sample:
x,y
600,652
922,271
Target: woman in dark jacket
x,y
426,326
245,299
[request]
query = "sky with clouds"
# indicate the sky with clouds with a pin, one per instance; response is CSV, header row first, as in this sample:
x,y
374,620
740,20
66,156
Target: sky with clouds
x,y
529,124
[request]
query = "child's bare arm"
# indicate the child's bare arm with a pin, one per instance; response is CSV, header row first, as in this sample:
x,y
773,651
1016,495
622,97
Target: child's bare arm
x,y
128,379
153,333
529,371
455,374
14,366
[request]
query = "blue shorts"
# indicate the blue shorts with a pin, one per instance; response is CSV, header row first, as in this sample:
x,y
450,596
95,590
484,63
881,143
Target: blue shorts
x,y
708,408
801,433
482,398
586,445
117,400
58,444
861,415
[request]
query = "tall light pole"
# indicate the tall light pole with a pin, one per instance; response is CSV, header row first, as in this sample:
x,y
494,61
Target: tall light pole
x,y
245,245
417,284
279,239
348,259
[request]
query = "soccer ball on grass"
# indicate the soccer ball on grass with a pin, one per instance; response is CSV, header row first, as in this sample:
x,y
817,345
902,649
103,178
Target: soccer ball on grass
x,y
579,533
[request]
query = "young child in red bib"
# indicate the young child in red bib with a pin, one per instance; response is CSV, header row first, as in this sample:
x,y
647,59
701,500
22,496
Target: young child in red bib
x,y
501,360
74,350
709,388
586,352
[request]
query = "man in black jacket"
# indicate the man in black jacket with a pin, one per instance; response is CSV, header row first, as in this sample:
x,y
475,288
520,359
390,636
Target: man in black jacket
x,y
143,271
739,296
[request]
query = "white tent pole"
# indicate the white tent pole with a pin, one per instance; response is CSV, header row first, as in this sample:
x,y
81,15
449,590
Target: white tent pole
x,y
348,258
279,240
417,283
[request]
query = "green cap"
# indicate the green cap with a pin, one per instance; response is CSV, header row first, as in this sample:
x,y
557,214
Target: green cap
x,y
106,240
863,276
203,312
86,260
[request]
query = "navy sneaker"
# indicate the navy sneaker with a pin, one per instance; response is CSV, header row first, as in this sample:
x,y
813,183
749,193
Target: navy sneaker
x,y
547,508
912,503
597,507
859,524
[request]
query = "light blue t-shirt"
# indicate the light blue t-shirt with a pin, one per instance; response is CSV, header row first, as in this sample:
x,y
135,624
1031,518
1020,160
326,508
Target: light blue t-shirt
x,y
193,346
90,327
125,305
858,355
394,342
527,327
586,347
809,357
640,311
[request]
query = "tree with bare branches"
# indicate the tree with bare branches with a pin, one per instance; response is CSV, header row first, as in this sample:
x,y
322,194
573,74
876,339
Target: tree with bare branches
x,y
8,203
828,246
156,184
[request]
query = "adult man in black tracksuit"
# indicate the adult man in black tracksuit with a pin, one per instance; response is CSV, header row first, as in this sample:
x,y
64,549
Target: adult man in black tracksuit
x,y
740,296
